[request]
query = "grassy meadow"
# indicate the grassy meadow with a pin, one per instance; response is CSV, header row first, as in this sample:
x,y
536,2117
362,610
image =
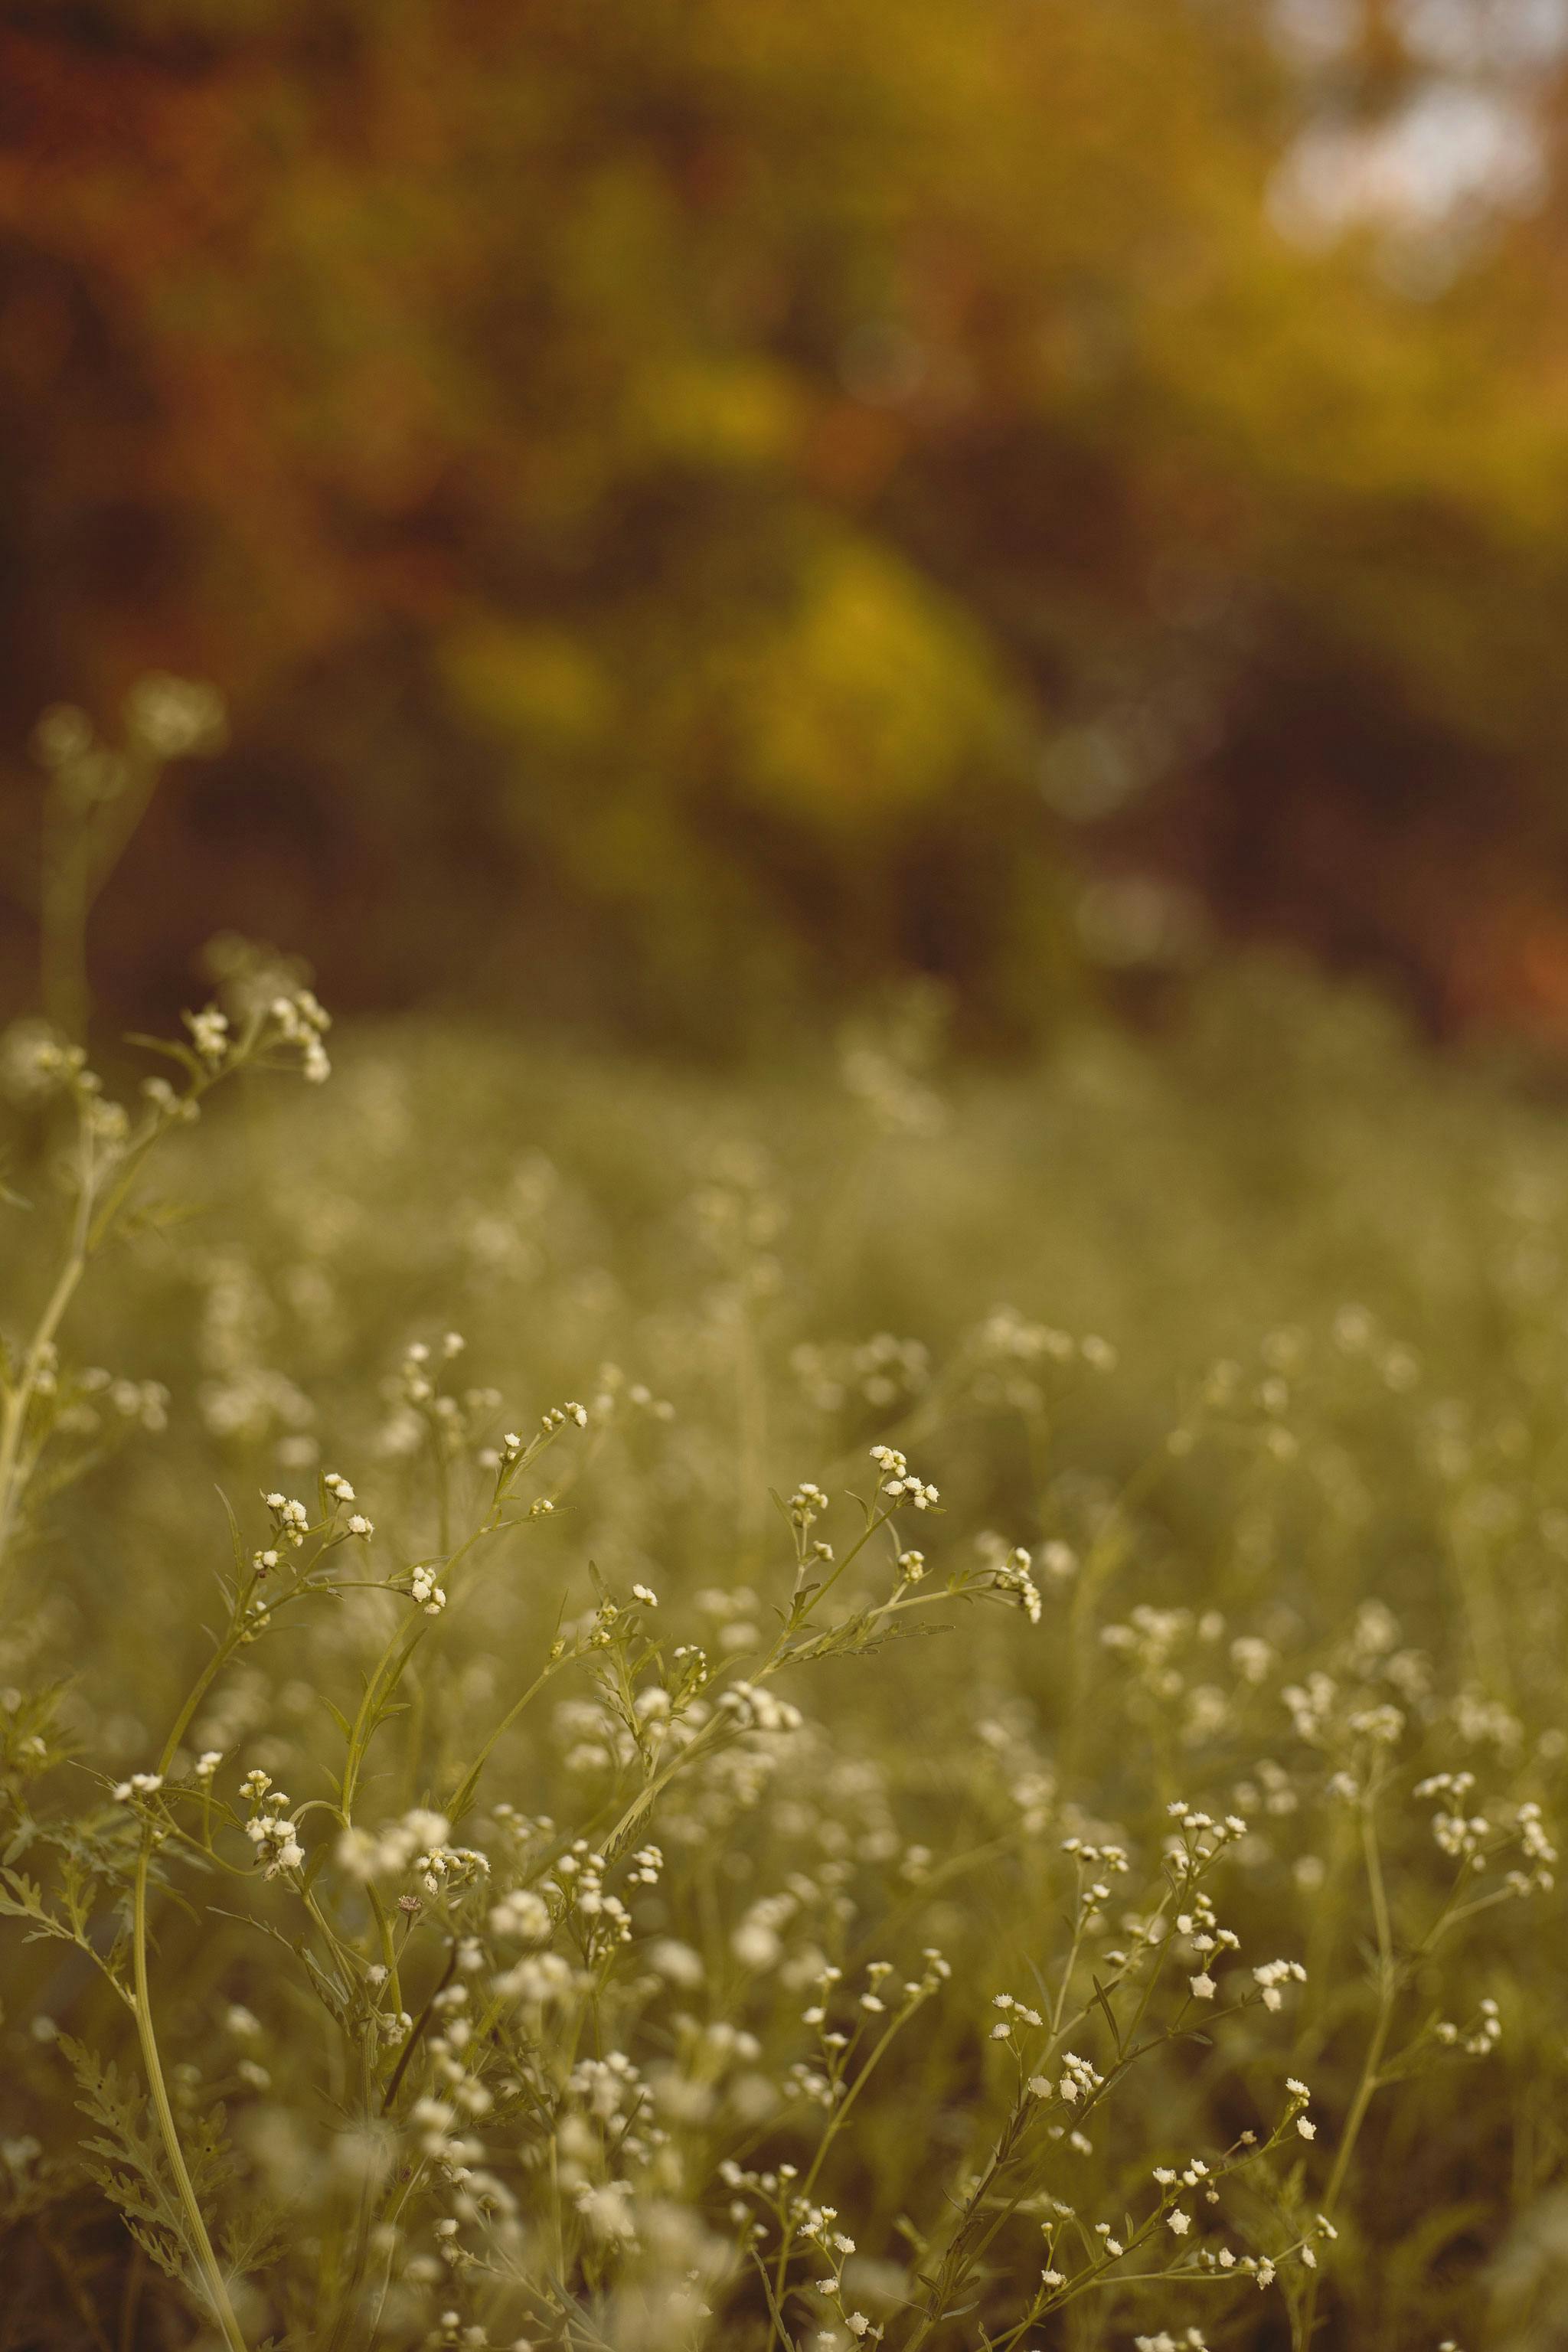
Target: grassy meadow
x,y
904,1704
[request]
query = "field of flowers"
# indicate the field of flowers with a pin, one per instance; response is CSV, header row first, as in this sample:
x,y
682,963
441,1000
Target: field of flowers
x,y
902,1705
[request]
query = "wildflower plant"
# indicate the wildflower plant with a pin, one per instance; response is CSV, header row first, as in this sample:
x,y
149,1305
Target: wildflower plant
x,y
474,1870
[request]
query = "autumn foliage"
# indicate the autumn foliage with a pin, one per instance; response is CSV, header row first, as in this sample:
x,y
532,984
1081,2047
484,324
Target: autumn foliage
x,y
697,508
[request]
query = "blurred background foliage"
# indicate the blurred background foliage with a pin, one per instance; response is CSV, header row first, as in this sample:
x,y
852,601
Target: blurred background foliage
x,y
697,509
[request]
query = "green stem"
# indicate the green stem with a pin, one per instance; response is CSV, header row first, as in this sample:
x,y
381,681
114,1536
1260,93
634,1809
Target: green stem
x,y
217,2286
1389,1979
14,1418
834,2125
464,1796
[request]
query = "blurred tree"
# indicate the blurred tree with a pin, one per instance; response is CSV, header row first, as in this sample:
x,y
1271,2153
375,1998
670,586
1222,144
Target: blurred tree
x,y
692,507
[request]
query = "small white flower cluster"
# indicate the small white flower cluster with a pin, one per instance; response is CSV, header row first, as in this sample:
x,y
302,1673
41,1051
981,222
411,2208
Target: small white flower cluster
x,y
1013,1358
1261,2268
1201,1837
1193,2177
1078,2079
209,1034
290,1520
601,1922
610,2089
757,1940
143,1402
1013,1575
140,1784
872,2002
340,1492
1272,1975
896,1481
275,1837
1539,1852
806,1505
1152,1637
614,1387
883,1371
301,1020
754,1709
646,1866
35,1061
1475,1839
695,1670
1383,1725
523,1918
432,2120
424,1592
542,1980
772,2184
1480,2039
1008,1334
817,2229
608,2209
167,1105
108,1123
455,2053
442,1869
1299,2095
1465,1837
1207,1938
1311,1704
1483,1722
388,1852
1094,1892
816,2088
559,1415
814,2226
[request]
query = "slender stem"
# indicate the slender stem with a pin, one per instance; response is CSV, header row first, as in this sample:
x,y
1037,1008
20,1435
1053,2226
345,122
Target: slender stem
x,y
834,2125
204,1683
1389,1979
464,1795
13,1419
364,1728
751,1403
217,2286
418,2034
91,1223
955,2261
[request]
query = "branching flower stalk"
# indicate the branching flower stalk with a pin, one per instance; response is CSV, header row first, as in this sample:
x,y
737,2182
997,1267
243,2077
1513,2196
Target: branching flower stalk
x,y
110,1155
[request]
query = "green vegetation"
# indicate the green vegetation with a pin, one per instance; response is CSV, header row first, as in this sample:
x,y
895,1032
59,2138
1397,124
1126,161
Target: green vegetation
x,y
546,1845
